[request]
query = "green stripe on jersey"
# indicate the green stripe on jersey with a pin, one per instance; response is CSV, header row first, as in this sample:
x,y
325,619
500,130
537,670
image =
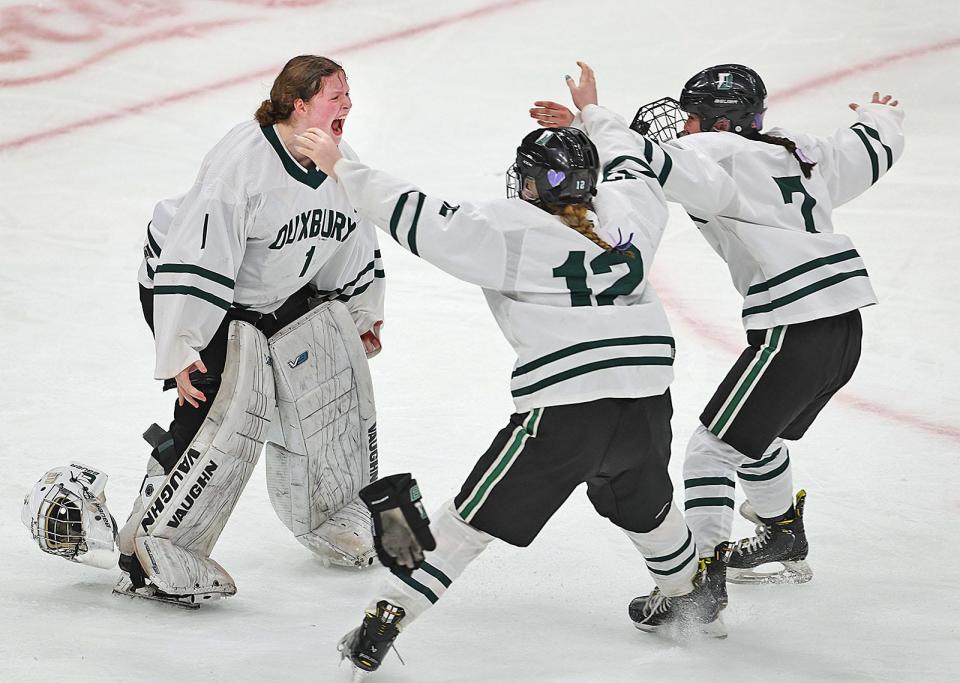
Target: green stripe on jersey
x,y
412,233
312,178
586,346
872,132
610,168
192,291
871,152
801,269
153,243
804,291
590,367
196,270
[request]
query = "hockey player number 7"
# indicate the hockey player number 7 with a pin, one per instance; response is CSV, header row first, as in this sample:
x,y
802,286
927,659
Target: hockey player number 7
x,y
575,274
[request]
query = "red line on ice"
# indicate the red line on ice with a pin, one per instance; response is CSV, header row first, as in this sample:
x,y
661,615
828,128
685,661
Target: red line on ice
x,y
268,72
184,30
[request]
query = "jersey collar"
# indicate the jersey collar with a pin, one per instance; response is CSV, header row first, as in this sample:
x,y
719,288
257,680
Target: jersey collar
x,y
312,178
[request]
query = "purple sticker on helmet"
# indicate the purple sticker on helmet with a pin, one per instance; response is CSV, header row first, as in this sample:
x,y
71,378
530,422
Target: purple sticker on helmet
x,y
555,177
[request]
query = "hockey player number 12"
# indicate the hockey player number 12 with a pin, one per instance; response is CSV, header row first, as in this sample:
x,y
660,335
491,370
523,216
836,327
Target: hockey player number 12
x,y
574,273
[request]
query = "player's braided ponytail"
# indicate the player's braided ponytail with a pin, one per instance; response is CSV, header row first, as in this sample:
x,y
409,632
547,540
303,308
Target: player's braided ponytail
x,y
805,164
575,216
300,79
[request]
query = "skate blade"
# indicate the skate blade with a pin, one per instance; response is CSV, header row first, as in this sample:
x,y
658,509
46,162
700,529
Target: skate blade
x,y
795,572
191,602
713,629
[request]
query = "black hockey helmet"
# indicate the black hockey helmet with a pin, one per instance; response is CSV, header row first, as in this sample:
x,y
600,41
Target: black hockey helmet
x,y
726,91
555,166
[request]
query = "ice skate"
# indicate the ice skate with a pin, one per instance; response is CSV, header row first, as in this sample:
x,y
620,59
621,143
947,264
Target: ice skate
x,y
782,542
715,573
150,592
696,612
368,644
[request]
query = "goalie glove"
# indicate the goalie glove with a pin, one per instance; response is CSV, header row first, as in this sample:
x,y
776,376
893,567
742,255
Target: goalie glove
x,y
401,528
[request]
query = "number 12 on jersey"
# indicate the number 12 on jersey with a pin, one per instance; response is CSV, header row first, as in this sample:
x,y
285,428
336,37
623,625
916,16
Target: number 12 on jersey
x,y
574,273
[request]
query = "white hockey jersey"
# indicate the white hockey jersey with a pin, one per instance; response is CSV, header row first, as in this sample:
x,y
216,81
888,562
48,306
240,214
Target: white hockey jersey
x,y
584,322
255,227
771,225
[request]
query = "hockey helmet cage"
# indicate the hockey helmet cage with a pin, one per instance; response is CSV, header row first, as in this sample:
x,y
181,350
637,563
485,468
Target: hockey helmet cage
x,y
726,91
554,167
67,516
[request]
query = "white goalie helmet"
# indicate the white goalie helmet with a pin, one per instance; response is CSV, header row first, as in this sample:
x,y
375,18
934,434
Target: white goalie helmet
x,y
67,515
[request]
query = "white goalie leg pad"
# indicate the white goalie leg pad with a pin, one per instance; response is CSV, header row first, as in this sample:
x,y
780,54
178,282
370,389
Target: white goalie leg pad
x,y
184,515
329,423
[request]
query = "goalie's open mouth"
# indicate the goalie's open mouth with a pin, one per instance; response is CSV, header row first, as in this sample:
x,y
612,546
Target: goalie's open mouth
x,y
337,126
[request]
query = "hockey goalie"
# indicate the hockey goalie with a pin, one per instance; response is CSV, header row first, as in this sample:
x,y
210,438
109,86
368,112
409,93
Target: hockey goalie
x,y
312,375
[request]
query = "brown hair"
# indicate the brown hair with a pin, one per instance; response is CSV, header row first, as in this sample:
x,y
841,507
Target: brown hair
x,y
805,164
300,79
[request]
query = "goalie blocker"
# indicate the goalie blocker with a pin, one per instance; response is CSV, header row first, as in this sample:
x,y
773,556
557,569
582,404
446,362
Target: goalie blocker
x,y
401,528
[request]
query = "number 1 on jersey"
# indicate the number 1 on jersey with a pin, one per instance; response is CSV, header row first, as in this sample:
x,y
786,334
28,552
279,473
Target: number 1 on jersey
x,y
309,258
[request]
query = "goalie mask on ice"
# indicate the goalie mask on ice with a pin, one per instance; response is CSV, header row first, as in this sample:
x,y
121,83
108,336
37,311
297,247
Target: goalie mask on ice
x,y
329,423
67,515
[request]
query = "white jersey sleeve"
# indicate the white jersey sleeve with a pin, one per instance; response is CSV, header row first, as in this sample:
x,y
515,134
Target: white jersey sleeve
x,y
852,159
687,173
202,252
458,239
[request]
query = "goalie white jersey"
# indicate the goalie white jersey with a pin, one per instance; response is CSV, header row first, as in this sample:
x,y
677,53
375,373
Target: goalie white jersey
x,y
255,227
773,226
584,322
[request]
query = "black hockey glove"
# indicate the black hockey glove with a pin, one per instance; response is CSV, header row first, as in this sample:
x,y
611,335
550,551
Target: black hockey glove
x,y
401,528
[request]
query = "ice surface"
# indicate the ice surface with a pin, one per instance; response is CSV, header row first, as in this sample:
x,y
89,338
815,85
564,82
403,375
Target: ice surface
x,y
108,109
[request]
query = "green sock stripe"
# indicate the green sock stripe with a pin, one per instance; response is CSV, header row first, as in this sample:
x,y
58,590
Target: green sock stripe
x,y
437,574
416,585
708,481
708,502
765,461
667,558
668,572
773,474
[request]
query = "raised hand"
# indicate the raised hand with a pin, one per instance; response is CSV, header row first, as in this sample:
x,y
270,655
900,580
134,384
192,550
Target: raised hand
x,y
551,114
584,92
886,99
